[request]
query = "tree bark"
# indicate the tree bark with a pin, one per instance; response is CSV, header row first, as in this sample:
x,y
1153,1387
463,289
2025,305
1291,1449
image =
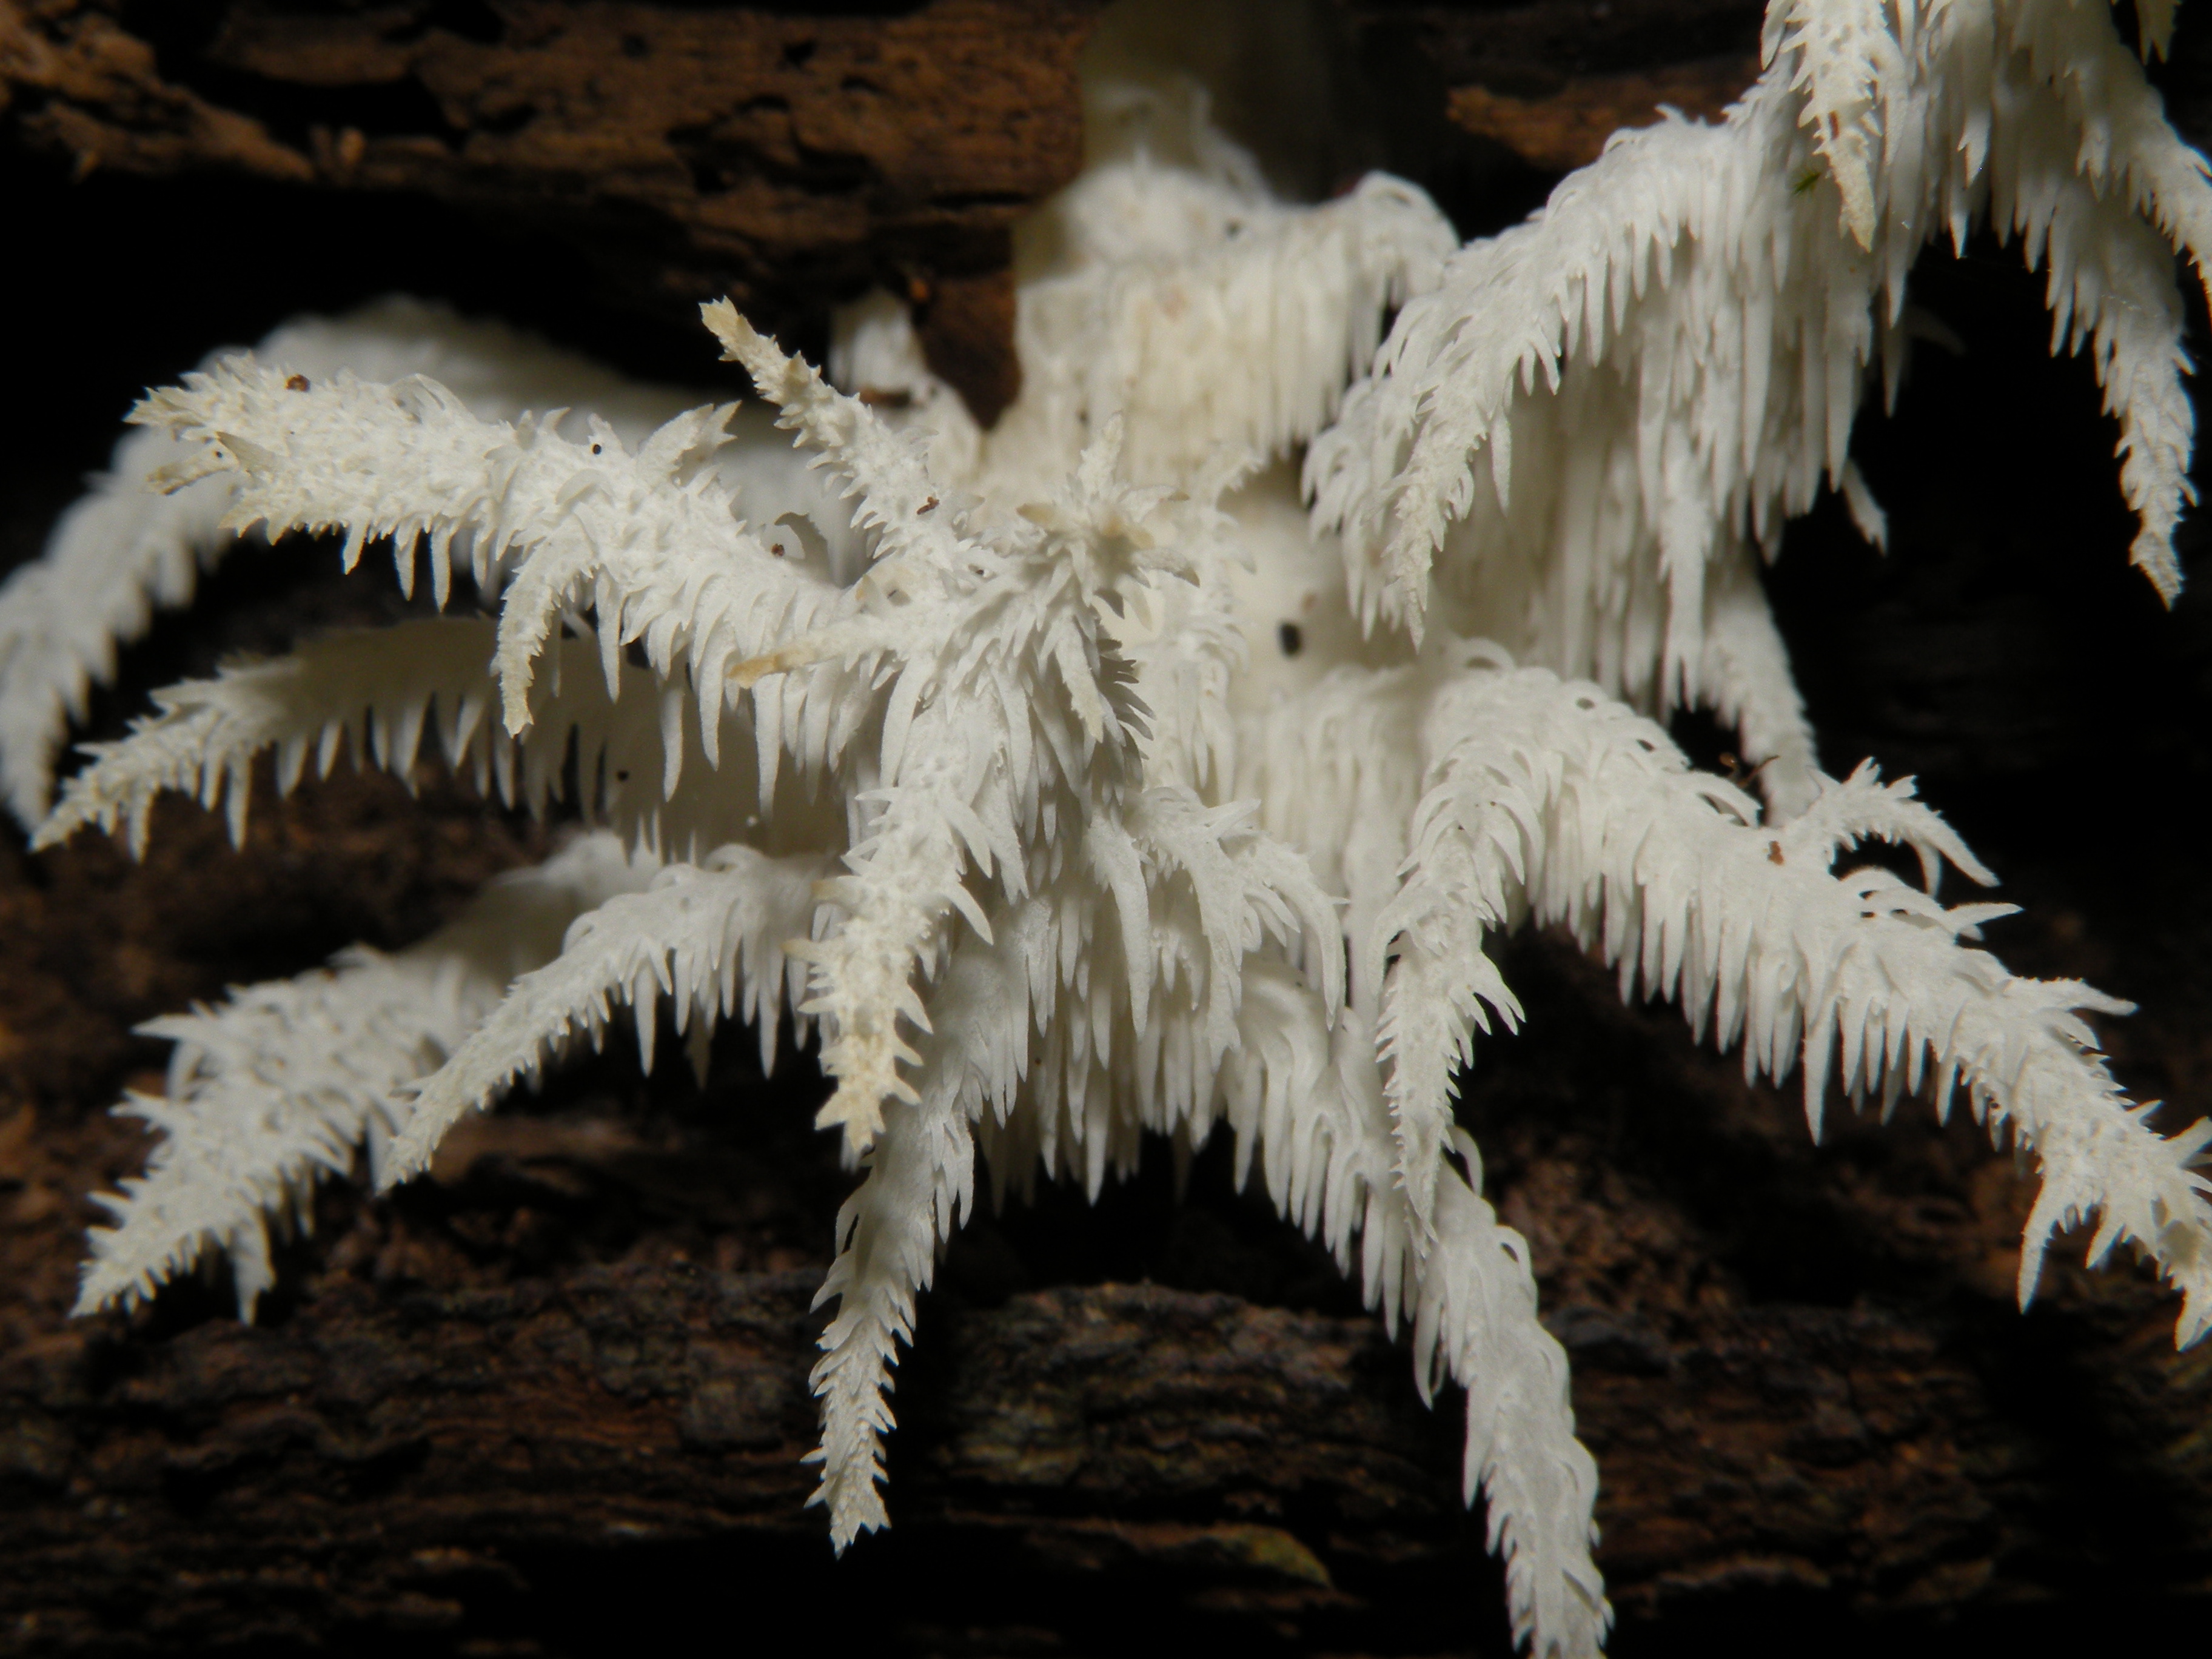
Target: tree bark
x,y
554,1398
779,157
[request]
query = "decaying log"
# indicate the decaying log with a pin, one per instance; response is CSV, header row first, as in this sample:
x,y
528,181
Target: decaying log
x,y
1551,82
742,144
552,1399
783,157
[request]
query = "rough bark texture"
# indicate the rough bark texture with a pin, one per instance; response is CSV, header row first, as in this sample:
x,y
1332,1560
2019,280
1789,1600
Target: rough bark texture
x,y
780,157
1551,82
551,1400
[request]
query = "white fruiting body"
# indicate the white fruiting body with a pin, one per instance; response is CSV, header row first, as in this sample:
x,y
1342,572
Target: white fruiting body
x,y
986,756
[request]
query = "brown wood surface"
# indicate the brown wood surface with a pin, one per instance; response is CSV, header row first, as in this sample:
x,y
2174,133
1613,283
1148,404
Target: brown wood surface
x,y
552,1399
776,155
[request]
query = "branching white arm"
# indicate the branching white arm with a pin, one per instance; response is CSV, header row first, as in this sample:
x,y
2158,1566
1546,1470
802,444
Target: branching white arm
x,y
920,1185
950,773
1307,1099
1547,798
113,559
1842,58
378,693
1105,998
2110,287
1595,409
124,551
710,938
375,691
999,706
575,522
283,1083
886,470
